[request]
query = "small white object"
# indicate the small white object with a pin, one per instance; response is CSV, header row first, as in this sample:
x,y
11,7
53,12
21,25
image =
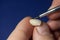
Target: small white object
x,y
35,22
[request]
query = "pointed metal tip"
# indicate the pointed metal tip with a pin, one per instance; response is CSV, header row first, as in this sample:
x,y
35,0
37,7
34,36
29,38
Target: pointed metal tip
x,y
36,17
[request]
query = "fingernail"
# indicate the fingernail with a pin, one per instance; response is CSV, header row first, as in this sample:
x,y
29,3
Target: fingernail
x,y
41,30
35,22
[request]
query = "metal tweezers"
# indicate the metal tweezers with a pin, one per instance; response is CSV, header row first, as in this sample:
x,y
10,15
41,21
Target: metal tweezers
x,y
50,11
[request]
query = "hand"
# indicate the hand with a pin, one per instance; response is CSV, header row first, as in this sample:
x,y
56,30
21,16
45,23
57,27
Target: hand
x,y
38,30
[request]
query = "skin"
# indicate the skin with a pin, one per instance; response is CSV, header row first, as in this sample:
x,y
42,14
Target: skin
x,y
24,30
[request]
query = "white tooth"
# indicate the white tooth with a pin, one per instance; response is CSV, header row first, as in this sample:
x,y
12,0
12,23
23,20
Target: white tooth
x,y
35,22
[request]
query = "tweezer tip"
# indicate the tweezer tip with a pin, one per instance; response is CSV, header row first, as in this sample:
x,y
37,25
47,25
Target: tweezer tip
x,y
36,17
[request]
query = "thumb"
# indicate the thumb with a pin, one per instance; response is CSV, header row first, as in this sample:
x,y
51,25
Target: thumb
x,y
41,31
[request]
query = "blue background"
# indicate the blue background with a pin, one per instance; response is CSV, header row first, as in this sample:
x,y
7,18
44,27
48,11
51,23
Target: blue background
x,y
12,11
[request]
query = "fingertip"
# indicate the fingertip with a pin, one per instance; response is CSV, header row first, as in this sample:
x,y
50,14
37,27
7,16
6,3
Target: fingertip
x,y
54,24
42,32
25,21
27,18
54,16
23,30
25,25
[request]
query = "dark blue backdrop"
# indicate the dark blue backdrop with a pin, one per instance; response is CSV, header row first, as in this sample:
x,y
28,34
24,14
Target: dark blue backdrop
x,y
12,11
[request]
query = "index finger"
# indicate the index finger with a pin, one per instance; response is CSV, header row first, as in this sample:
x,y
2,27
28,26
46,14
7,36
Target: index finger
x,y
23,30
55,15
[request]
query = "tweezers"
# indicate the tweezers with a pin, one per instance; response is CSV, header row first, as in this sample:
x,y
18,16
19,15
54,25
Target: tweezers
x,y
50,11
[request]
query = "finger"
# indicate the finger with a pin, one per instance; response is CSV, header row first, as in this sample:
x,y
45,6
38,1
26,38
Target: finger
x,y
41,31
54,24
58,38
55,15
23,30
55,3
57,34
